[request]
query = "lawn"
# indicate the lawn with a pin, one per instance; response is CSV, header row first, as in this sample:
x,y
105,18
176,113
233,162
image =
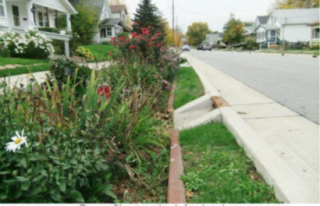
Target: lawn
x,y
189,87
20,61
24,70
100,51
291,51
218,170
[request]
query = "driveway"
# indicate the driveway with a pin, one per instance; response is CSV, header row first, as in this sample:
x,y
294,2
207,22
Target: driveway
x,y
291,80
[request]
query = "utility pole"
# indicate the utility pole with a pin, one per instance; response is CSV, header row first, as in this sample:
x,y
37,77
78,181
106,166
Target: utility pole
x,y
283,39
173,23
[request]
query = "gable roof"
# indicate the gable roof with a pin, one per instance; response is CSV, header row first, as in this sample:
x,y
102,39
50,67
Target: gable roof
x,y
270,26
263,19
110,22
118,8
296,16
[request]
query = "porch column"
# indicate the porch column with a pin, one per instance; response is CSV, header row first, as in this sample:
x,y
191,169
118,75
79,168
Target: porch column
x,y
66,49
48,19
68,22
31,23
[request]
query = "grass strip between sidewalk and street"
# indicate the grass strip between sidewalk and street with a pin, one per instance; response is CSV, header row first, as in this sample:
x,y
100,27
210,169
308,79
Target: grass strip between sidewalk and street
x,y
217,170
24,70
189,87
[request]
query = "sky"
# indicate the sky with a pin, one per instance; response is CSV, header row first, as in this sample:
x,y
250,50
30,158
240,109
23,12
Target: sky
x,y
215,12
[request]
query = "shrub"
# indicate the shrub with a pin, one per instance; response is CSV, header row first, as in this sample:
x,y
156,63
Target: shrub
x,y
251,43
84,52
63,69
67,141
49,29
31,45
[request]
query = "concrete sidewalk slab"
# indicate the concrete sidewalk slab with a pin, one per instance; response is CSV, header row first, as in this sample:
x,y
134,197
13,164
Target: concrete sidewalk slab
x,y
24,79
283,144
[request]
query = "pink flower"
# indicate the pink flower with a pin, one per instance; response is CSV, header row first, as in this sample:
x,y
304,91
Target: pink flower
x,y
104,91
161,69
134,34
132,47
136,23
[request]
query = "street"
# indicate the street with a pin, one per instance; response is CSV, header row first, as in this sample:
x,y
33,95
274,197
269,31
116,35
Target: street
x,y
291,80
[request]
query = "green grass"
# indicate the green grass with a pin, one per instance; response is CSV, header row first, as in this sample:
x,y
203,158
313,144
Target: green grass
x,y
24,70
215,164
7,61
100,51
291,51
189,87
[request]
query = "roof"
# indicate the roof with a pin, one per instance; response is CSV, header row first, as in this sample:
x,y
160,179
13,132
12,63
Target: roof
x,y
270,26
263,19
296,16
69,6
118,8
314,23
110,22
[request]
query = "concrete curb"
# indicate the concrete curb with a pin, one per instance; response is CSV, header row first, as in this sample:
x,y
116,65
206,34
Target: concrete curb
x,y
266,161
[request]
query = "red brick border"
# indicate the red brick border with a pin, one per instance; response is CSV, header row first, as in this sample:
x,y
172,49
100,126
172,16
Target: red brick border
x,y
176,191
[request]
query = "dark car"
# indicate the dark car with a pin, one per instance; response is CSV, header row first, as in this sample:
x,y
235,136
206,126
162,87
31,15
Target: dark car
x,y
200,47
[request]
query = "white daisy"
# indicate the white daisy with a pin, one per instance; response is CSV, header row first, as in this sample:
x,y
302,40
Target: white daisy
x,y
17,141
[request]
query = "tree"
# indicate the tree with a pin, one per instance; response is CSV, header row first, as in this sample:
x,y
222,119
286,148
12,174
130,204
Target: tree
x,y
197,32
234,31
84,23
177,37
147,15
295,4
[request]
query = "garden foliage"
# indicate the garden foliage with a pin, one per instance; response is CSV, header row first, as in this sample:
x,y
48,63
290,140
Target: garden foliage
x,y
31,45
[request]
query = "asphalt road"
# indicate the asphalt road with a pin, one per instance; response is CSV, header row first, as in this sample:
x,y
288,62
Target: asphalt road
x,y
291,80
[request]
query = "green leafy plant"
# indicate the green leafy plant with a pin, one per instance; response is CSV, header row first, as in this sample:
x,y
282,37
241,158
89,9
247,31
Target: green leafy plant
x,y
84,52
192,181
67,139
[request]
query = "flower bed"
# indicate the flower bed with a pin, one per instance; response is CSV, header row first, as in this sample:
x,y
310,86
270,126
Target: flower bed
x,y
95,139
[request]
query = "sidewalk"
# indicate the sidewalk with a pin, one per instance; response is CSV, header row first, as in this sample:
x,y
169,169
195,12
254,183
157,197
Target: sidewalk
x,y
294,139
24,79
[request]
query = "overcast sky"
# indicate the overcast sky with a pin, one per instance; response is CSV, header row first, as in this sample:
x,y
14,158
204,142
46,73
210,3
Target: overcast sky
x,y
215,12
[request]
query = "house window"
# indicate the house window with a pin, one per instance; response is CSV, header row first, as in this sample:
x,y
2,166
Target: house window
x,y
2,8
43,20
16,15
103,33
315,34
109,31
272,36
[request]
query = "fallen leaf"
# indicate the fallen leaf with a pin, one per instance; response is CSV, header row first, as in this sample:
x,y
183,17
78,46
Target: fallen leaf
x,y
189,194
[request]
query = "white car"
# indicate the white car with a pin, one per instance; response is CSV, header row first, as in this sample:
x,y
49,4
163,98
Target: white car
x,y
185,47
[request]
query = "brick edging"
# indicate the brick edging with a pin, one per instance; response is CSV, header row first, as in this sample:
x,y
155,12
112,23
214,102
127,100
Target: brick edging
x,y
176,191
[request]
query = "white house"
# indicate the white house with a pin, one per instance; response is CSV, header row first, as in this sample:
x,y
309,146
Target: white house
x,y
291,25
19,15
112,19
213,38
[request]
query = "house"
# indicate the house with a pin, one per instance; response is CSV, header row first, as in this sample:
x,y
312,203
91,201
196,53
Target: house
x,y
20,15
213,38
314,33
112,19
290,25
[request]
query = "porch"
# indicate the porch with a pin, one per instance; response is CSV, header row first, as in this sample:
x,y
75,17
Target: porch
x,y
41,15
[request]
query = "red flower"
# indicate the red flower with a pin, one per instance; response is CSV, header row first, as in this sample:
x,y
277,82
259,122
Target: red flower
x,y
132,47
110,53
136,23
158,45
150,43
104,91
149,27
134,34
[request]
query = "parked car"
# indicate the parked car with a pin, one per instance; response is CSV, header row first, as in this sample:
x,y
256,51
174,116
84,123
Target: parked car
x,y
186,47
204,47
